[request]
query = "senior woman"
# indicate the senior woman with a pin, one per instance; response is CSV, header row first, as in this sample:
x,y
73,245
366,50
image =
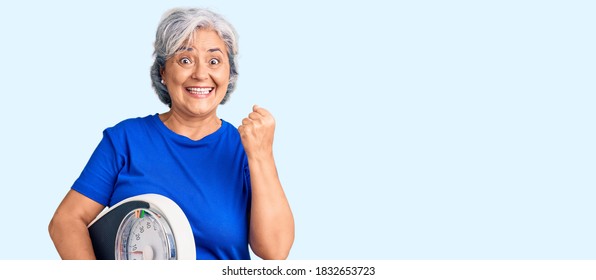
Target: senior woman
x,y
224,179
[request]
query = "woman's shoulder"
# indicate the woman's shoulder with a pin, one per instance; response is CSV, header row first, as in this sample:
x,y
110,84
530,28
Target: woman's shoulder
x,y
229,128
132,124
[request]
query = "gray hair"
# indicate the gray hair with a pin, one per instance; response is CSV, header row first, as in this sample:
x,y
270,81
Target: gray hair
x,y
176,27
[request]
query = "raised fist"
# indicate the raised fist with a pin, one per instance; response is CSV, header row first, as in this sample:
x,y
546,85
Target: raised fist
x,y
257,132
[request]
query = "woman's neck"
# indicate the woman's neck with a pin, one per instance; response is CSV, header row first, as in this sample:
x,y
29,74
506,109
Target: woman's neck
x,y
195,128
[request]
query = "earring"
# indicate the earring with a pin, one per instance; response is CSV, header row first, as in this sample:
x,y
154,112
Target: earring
x,y
162,82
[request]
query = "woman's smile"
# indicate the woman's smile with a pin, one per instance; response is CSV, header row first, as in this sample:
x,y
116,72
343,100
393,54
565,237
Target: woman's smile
x,y
200,92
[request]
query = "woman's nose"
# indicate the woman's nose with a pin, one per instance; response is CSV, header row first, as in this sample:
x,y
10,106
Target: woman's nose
x,y
200,71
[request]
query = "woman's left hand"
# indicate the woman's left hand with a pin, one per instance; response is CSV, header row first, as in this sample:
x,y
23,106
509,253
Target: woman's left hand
x,y
271,221
257,132
271,232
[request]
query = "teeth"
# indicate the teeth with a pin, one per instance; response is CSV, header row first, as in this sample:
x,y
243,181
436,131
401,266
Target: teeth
x,y
200,90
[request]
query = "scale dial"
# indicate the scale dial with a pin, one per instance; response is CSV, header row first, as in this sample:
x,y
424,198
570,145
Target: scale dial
x,y
145,235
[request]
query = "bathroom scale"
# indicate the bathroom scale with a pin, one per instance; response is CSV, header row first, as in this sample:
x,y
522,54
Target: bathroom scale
x,y
143,227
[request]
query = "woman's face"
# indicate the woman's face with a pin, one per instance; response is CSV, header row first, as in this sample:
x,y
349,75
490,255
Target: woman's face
x,y
197,76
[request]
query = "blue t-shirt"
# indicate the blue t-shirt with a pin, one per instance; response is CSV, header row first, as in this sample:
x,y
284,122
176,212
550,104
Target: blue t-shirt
x,y
209,179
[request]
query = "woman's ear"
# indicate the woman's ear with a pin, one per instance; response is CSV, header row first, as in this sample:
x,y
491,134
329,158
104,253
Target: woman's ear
x,y
161,72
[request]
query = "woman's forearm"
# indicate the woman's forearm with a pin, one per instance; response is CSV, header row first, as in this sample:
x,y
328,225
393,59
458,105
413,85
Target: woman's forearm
x,y
271,219
71,239
68,227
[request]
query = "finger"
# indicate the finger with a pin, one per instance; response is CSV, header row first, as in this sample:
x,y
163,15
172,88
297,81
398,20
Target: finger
x,y
242,129
260,110
255,116
246,121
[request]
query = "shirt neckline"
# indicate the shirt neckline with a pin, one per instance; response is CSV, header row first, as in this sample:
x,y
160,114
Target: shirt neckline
x,y
164,130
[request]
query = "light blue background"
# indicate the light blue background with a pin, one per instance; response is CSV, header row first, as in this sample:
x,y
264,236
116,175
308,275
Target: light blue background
x,y
406,129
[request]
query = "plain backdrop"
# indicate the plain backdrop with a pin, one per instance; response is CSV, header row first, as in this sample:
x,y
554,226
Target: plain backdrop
x,y
405,129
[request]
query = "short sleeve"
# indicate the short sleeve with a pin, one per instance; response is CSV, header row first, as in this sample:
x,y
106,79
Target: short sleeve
x,y
99,176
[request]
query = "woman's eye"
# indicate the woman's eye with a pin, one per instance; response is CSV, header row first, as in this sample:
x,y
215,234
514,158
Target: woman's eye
x,y
214,61
185,61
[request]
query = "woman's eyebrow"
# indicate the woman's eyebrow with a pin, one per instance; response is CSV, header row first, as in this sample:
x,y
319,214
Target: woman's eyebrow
x,y
189,49
215,50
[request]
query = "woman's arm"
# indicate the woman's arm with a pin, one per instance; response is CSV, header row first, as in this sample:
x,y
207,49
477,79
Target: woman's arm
x,y
271,219
68,227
